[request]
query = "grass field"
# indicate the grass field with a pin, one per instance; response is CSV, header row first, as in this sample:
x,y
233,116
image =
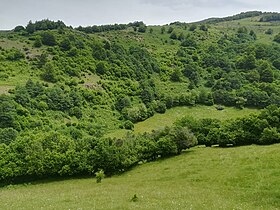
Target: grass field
x,y
159,121
201,178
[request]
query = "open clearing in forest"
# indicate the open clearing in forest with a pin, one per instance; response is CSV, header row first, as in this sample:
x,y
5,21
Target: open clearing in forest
x,y
159,121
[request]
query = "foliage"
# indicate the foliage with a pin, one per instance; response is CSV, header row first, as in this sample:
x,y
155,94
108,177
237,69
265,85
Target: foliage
x,y
48,38
277,38
95,29
270,17
19,29
44,25
66,88
99,176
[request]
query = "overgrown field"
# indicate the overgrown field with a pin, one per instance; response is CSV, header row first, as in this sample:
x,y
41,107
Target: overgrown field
x,y
201,178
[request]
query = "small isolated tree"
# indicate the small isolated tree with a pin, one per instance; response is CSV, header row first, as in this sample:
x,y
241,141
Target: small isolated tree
x,y
99,176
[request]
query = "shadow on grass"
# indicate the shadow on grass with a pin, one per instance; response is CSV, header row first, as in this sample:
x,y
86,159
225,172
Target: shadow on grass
x,y
26,181
156,159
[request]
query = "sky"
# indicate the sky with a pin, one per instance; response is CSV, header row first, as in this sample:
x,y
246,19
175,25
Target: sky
x,y
152,12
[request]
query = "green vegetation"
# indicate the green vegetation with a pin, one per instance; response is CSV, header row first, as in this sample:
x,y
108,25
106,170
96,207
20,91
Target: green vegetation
x,y
201,178
65,90
160,121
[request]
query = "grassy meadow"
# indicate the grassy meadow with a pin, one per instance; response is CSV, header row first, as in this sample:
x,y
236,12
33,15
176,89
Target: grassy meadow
x,y
201,178
159,121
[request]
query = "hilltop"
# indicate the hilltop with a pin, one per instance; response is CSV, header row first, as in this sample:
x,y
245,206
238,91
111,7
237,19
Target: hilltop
x,y
65,89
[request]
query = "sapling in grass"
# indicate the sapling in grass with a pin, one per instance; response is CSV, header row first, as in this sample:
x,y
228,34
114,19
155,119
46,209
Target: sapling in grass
x,y
99,176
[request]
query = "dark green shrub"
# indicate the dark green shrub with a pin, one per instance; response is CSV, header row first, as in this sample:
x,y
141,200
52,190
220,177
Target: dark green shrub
x,y
38,42
269,136
128,125
7,135
277,38
48,38
166,147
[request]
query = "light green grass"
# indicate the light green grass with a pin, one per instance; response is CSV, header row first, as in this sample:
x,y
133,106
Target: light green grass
x,y
201,178
159,121
13,81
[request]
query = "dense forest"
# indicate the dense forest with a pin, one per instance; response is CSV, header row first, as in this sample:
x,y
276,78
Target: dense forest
x,y
63,89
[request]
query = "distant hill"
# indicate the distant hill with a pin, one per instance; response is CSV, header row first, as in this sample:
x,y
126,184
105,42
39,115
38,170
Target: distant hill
x,y
264,17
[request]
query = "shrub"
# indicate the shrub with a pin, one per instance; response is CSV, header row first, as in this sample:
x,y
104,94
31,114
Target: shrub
x,y
19,29
183,138
15,55
48,38
269,31
128,125
76,111
7,135
269,136
166,147
277,38
38,42
160,107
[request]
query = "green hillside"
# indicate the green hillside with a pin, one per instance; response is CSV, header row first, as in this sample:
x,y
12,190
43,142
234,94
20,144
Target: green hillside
x,y
201,178
68,95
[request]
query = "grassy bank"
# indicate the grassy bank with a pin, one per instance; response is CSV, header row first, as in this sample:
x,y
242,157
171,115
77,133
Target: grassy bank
x,y
201,178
